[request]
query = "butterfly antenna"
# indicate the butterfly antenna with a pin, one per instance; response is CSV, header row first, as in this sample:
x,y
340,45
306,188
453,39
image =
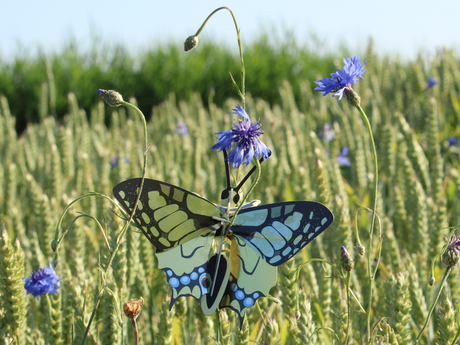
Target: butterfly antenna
x,y
236,198
226,192
227,216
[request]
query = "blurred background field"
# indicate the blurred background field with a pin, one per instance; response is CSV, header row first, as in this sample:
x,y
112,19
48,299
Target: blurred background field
x,y
58,140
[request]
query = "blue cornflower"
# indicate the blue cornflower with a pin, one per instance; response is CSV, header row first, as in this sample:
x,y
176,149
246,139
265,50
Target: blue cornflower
x,y
452,141
431,82
327,133
181,128
341,80
44,280
245,137
342,157
113,162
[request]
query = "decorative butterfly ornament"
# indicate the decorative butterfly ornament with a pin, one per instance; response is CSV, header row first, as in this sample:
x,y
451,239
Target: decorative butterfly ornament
x,y
182,226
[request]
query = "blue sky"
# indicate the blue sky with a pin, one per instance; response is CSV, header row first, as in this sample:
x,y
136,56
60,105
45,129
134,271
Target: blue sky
x,y
398,27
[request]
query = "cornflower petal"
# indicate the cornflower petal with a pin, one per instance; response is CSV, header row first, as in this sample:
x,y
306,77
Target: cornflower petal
x,y
249,154
242,140
236,156
452,141
241,112
181,128
431,82
327,133
261,149
225,140
44,280
342,157
327,85
342,79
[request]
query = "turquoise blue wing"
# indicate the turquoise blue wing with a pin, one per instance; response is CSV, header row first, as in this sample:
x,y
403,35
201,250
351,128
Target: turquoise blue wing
x,y
279,231
167,215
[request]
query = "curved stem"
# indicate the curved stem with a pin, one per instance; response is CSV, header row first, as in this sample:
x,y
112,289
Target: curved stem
x,y
358,241
128,222
243,71
81,197
125,228
89,216
371,231
339,274
444,279
297,276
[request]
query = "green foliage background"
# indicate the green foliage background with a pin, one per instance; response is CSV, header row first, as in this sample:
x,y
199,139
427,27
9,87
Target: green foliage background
x,y
72,137
150,76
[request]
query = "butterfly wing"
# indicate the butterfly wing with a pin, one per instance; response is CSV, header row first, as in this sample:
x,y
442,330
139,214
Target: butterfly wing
x,y
167,215
250,278
278,231
186,267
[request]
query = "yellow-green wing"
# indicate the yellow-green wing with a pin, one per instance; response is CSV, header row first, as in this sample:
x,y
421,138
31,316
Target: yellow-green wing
x,y
250,278
186,267
167,215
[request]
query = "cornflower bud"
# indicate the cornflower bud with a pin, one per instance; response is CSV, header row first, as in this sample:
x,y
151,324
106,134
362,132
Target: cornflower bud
x,y
361,250
451,256
111,97
54,244
190,43
346,260
352,96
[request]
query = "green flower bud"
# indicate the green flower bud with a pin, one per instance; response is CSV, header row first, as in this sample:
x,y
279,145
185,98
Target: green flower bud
x,y
361,250
190,43
54,244
111,97
431,281
346,260
352,96
451,256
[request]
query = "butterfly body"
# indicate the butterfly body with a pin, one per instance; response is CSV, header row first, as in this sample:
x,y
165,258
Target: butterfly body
x,y
183,225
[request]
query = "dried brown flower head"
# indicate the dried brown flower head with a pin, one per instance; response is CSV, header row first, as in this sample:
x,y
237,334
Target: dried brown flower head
x,y
133,308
